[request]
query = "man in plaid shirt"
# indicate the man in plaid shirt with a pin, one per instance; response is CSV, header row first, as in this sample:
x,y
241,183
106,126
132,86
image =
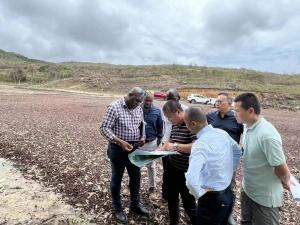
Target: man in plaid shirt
x,y
123,127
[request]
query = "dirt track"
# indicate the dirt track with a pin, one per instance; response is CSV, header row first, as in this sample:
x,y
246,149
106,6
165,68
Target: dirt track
x,y
54,138
24,201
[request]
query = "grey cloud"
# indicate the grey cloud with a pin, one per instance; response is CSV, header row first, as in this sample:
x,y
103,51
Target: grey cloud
x,y
228,22
84,23
209,32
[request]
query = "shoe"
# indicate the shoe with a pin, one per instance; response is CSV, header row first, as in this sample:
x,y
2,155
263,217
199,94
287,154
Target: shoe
x,y
231,221
151,189
164,197
139,210
121,217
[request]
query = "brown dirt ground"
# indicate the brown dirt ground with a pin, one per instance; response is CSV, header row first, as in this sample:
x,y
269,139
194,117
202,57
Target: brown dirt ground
x,y
54,138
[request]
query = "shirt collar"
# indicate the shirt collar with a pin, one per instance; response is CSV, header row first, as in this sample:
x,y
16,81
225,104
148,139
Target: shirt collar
x,y
253,126
147,111
229,113
203,130
123,103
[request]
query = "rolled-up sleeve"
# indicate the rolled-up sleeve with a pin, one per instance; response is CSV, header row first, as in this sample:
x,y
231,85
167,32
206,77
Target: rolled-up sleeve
x,y
108,122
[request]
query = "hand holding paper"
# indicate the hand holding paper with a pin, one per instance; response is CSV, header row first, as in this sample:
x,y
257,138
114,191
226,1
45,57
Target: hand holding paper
x,y
167,147
295,188
141,158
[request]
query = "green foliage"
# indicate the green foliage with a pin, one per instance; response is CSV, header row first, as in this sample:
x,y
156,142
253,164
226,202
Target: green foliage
x,y
104,77
17,75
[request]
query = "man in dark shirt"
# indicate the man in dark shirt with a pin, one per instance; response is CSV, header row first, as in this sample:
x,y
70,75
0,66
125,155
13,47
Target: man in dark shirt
x,y
122,125
154,134
181,140
224,119
173,95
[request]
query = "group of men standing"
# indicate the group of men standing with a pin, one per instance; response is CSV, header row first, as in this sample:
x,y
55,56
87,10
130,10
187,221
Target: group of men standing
x,y
209,147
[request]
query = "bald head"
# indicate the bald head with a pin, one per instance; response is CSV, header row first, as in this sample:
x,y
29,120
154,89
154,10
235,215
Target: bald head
x,y
195,119
196,115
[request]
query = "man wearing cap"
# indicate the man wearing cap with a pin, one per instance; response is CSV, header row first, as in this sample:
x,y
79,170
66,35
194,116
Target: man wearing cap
x,y
123,127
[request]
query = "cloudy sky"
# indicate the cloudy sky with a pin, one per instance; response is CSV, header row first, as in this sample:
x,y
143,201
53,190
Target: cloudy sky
x,y
257,34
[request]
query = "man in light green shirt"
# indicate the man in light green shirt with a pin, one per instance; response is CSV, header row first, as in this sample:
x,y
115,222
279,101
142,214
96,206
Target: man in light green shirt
x,y
264,165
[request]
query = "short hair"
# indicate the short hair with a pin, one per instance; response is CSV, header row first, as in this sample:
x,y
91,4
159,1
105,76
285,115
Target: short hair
x,y
227,96
172,107
173,94
196,114
249,100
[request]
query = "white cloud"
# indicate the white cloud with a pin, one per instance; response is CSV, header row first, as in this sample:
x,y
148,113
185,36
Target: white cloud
x,y
232,33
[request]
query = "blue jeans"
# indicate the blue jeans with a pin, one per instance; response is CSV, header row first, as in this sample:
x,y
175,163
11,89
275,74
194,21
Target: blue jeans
x,y
119,161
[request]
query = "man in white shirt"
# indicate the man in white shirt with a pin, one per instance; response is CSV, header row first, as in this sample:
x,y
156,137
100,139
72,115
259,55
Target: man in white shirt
x,y
214,158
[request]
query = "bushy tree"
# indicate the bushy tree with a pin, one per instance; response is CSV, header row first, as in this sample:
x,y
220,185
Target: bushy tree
x,y
17,75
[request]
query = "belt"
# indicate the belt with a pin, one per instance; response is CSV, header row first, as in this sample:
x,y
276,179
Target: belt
x,y
219,192
133,142
147,141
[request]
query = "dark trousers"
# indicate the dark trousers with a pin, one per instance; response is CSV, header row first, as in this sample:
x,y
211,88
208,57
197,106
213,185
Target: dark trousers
x,y
119,161
164,180
176,184
214,208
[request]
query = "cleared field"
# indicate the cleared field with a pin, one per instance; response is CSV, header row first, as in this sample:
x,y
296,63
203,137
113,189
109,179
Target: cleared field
x,y
55,138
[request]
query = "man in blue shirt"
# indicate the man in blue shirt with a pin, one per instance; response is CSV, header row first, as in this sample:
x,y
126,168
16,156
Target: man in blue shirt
x,y
214,157
154,134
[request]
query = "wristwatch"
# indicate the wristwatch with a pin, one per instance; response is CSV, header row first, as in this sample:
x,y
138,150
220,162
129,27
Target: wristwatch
x,y
175,145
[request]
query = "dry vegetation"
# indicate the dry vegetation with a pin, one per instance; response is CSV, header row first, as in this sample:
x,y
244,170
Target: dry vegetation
x,y
276,90
54,137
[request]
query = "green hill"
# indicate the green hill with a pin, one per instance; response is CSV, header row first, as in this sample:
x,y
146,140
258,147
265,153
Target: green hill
x,y
274,89
14,58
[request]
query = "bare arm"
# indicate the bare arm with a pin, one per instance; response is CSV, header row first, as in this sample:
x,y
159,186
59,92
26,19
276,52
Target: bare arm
x,y
183,148
283,173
